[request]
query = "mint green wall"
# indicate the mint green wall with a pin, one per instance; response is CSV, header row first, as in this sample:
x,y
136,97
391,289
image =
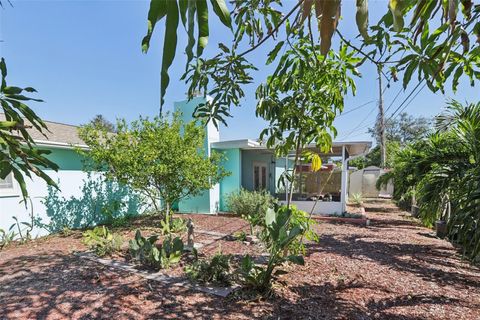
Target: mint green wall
x,y
66,159
232,183
200,203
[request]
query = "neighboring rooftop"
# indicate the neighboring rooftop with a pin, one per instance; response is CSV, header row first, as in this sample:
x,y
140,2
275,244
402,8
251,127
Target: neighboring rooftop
x,y
57,134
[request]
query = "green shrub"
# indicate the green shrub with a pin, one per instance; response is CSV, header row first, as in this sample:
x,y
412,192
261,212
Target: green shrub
x,y
146,252
215,270
66,232
102,241
250,205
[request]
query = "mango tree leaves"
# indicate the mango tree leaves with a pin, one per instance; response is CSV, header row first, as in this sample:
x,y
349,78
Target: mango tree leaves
x,y
300,102
188,11
397,7
434,59
19,155
361,18
169,47
226,73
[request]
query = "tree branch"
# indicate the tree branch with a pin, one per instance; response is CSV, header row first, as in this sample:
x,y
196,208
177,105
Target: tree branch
x,y
270,34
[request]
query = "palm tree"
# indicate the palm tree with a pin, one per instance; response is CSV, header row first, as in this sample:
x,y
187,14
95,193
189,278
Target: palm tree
x,y
444,173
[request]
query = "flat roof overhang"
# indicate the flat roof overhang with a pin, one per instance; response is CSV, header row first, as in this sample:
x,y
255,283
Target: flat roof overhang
x,y
353,147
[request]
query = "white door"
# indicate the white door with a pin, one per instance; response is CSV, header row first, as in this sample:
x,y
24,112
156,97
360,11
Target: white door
x,y
260,176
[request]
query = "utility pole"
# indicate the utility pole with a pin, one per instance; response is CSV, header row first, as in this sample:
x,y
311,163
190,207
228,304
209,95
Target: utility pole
x,y
381,120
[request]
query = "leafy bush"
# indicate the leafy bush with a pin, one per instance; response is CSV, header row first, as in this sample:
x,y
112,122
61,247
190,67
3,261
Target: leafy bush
x,y
281,230
146,252
250,205
215,270
298,218
162,158
102,241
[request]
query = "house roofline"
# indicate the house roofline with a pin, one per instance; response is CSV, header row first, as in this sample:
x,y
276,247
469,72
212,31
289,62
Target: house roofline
x,y
248,144
60,145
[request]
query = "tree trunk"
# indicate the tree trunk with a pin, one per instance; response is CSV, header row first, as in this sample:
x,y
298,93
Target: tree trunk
x,y
294,171
167,213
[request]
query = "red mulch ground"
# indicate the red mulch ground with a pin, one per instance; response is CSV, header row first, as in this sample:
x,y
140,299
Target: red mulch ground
x,y
393,269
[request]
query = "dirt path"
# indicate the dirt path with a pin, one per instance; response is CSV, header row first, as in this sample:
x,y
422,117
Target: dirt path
x,y
393,269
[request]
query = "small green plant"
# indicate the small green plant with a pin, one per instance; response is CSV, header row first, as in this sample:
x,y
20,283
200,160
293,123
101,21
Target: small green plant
x,y
177,225
147,253
250,205
66,231
279,233
102,241
240,235
216,270
356,199
6,237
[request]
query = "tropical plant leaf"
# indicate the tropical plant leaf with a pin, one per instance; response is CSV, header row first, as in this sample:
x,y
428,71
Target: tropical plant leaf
x,y
361,18
158,10
169,47
203,29
221,10
328,24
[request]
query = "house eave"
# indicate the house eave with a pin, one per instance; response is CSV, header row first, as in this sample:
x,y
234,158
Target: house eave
x,y
60,145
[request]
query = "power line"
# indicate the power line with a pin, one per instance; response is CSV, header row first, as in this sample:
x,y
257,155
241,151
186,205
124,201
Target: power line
x,y
361,122
405,100
411,100
356,108
393,101
357,128
368,115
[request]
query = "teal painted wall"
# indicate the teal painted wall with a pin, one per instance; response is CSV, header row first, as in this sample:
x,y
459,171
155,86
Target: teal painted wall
x,y
232,183
66,159
248,158
200,203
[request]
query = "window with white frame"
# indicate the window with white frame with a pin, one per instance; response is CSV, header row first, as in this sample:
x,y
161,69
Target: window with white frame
x,y
7,185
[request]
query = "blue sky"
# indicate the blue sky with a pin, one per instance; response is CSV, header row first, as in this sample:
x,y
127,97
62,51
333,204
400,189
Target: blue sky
x,y
84,58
